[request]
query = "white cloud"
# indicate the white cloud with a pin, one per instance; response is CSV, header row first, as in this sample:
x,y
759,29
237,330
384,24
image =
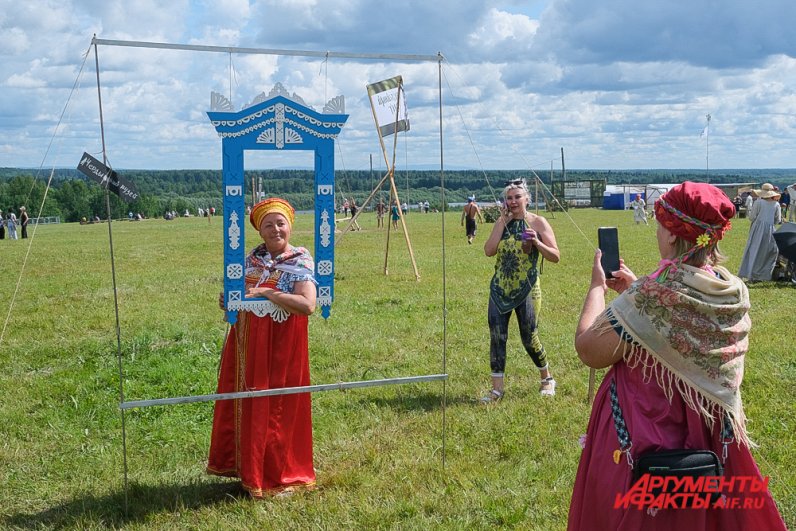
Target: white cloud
x,y
23,81
503,34
617,83
701,32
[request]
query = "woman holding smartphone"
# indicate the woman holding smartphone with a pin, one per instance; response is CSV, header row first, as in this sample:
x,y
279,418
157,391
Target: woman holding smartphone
x,y
674,343
517,239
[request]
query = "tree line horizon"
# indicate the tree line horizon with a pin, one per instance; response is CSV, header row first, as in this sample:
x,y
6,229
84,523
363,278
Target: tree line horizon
x,y
73,196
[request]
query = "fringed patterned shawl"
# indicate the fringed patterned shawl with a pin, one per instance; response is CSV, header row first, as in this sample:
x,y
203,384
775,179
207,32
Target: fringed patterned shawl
x,y
691,333
279,272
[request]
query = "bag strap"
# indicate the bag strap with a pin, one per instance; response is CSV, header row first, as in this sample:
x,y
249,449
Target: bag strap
x,y
625,443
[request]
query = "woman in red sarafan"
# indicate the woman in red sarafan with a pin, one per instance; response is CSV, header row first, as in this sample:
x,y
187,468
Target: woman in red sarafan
x,y
675,342
267,441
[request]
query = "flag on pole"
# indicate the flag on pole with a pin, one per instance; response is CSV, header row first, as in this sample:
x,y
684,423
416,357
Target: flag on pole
x,y
705,129
384,100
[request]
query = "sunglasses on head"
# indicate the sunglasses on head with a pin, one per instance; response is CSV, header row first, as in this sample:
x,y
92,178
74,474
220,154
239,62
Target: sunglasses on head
x,y
515,182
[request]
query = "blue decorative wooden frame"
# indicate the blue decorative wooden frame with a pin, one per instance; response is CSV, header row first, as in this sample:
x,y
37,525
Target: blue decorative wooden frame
x,y
276,122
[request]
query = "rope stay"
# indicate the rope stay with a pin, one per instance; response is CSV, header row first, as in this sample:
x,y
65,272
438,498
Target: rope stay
x,y
75,88
524,160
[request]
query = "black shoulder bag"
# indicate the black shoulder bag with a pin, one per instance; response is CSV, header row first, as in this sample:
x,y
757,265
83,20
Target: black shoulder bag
x,y
677,463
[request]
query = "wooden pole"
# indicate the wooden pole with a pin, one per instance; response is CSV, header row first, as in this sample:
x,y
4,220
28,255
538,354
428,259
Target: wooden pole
x,y
393,188
392,183
362,207
389,226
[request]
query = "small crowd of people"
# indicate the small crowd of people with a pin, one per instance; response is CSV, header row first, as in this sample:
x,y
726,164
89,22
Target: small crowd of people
x,y
200,212
673,379
9,222
349,207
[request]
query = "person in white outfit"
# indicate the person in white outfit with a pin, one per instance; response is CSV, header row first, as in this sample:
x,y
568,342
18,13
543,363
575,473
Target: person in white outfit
x,y
748,202
639,210
11,224
792,206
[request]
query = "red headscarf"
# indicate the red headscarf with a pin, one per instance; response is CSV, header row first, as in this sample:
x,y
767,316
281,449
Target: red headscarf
x,y
691,209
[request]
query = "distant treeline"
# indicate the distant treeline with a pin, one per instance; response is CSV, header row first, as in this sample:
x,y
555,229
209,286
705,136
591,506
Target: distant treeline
x,y
73,196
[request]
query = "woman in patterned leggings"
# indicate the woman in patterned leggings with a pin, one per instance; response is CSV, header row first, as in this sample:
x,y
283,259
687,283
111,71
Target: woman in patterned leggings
x,y
517,239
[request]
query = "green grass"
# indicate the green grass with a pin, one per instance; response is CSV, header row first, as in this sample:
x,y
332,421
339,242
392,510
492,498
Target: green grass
x,y
378,451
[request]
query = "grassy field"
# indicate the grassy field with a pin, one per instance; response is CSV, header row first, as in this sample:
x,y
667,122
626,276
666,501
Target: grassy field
x,y
379,451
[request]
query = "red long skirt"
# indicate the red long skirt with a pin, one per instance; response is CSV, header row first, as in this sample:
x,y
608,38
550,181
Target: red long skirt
x,y
266,441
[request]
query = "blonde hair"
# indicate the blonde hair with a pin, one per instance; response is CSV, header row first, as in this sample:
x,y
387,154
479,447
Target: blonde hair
x,y
519,184
711,254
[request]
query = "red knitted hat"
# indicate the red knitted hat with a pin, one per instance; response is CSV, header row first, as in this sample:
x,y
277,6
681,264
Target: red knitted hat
x,y
691,209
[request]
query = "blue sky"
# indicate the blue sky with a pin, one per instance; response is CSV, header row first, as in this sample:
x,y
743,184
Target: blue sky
x,y
617,83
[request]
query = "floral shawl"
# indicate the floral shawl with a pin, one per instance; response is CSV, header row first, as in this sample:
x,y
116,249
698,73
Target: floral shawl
x,y
279,272
515,271
690,332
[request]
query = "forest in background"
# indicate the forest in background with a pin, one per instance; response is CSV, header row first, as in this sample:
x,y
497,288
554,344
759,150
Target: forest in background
x,y
72,196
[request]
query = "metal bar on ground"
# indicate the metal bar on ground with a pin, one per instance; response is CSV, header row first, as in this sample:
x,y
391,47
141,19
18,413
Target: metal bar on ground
x,y
132,404
266,51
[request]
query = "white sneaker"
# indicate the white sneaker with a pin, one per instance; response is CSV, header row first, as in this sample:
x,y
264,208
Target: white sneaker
x,y
547,387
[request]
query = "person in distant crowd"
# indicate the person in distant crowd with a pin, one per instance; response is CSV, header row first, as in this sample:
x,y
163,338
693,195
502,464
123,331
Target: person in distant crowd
x,y
96,218
24,219
425,206
518,239
346,206
784,202
395,215
761,251
791,213
738,203
212,211
2,226
353,207
420,207
404,208
187,214
674,344
469,214
748,202
266,442
11,225
380,208
639,210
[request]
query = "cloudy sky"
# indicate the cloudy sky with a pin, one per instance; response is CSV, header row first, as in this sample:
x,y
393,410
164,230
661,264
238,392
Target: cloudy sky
x,y
617,83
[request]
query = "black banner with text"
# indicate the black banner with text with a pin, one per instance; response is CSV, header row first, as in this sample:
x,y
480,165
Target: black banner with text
x,y
108,178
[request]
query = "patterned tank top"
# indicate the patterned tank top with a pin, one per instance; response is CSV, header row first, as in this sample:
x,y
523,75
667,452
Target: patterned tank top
x,y
515,271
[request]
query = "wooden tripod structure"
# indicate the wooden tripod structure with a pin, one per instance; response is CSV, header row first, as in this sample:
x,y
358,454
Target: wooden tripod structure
x,y
394,199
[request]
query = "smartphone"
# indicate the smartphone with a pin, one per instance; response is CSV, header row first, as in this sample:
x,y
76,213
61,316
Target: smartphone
x,y
608,242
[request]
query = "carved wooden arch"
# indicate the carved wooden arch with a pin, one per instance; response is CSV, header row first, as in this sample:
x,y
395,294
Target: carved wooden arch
x,y
279,121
